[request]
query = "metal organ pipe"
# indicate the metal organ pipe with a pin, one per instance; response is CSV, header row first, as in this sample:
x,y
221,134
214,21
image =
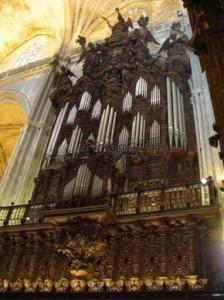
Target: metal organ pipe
x,y
123,139
82,180
61,151
170,111
146,88
141,87
183,121
96,109
109,125
180,118
54,136
141,131
133,132
106,128
113,127
77,143
138,131
72,115
102,139
175,114
127,102
100,129
71,144
85,101
176,117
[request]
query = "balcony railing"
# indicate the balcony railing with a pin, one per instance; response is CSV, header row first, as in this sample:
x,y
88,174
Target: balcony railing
x,y
145,202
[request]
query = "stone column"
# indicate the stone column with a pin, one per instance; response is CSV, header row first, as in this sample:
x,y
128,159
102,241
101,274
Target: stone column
x,y
18,183
207,20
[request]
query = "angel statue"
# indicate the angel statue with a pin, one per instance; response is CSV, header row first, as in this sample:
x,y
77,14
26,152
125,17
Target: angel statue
x,y
145,32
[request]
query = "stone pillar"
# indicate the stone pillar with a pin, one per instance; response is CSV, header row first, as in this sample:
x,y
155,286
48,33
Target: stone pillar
x,y
207,20
18,182
210,163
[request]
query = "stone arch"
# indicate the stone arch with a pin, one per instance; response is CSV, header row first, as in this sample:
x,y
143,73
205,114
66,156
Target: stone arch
x,y
13,110
17,98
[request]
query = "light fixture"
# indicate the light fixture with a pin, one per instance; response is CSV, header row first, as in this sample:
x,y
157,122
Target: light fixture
x,y
204,180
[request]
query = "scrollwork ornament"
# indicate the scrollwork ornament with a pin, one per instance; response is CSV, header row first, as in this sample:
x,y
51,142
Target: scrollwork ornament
x,y
77,285
62,285
4,285
16,286
134,284
95,285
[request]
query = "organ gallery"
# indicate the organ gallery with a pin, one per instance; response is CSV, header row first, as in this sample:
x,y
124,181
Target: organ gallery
x,y
118,207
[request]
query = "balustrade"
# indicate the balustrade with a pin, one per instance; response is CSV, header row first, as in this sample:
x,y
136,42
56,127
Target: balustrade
x,y
167,199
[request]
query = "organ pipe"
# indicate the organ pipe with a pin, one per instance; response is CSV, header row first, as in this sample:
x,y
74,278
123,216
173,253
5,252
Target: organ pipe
x,y
175,114
127,102
96,109
155,96
138,131
180,118
123,139
109,126
62,150
102,139
100,129
106,128
141,87
72,115
183,121
113,127
54,136
155,134
82,181
170,111
85,101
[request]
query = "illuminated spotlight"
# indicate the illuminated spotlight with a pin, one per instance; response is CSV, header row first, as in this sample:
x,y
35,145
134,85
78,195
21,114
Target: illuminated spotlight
x,y
204,180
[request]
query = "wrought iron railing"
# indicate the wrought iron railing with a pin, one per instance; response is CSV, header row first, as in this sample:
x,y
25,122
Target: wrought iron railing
x,y
144,202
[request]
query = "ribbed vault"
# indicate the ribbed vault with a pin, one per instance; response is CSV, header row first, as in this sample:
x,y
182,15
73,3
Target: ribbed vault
x,y
55,25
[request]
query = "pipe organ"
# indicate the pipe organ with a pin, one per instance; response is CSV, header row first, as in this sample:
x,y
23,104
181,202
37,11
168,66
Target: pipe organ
x,y
85,101
138,131
127,102
176,116
125,165
82,181
97,109
155,96
141,88
106,128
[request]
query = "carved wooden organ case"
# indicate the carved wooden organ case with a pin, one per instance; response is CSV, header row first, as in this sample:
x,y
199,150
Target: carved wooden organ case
x,y
126,125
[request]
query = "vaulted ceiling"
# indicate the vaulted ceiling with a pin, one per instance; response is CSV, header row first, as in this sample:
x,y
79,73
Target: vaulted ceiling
x,y
55,24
